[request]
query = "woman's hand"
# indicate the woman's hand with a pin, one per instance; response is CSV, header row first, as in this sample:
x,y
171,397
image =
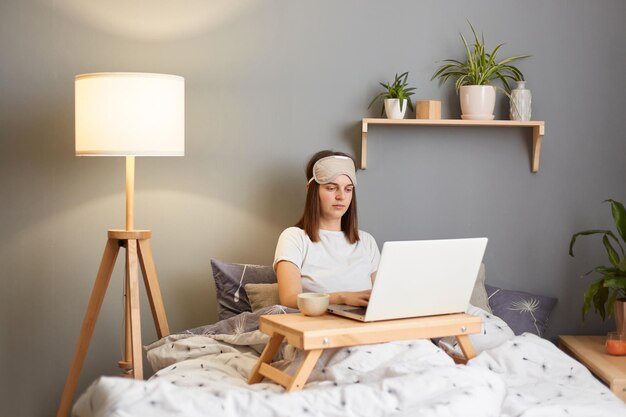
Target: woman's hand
x,y
357,298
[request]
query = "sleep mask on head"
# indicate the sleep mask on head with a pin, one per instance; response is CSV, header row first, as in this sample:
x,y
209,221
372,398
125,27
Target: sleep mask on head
x,y
329,168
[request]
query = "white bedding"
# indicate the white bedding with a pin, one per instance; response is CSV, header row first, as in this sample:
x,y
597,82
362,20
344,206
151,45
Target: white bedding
x,y
523,376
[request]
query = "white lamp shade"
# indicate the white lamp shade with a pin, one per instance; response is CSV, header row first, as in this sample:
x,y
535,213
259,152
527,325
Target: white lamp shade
x,y
119,114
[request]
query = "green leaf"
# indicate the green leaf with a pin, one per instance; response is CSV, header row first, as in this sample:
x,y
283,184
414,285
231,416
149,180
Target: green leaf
x,y
619,217
589,295
511,59
599,301
606,271
492,55
584,233
516,74
378,97
611,303
470,61
612,254
507,87
618,283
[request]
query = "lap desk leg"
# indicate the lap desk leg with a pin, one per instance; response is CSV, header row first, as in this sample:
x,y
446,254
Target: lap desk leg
x,y
314,334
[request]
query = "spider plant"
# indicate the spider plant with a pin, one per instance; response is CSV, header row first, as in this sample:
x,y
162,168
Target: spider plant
x,y
398,89
612,283
481,67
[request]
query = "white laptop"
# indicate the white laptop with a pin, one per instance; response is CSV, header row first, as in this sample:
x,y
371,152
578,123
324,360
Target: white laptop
x,y
421,278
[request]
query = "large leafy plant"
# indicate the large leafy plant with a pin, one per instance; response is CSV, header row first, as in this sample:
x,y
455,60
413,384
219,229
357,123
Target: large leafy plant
x,y
480,67
612,283
399,89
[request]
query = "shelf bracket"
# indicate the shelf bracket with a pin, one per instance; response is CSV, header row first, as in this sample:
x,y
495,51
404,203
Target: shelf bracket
x,y
538,132
364,145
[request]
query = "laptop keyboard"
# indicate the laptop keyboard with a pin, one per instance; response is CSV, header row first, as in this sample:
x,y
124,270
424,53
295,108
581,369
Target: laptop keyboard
x,y
357,310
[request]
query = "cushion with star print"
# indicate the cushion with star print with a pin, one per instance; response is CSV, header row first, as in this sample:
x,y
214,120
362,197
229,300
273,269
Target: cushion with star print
x,y
522,311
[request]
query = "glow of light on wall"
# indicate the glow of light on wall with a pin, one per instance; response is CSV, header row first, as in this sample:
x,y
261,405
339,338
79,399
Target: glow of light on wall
x,y
154,19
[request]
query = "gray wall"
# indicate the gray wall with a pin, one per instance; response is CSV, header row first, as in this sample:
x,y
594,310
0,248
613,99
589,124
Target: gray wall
x,y
269,83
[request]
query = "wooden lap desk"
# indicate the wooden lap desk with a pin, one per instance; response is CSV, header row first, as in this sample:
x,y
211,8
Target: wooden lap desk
x,y
590,351
314,334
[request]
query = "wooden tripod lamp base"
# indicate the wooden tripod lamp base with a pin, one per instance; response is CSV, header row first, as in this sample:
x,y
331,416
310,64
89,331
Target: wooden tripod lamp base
x,y
138,254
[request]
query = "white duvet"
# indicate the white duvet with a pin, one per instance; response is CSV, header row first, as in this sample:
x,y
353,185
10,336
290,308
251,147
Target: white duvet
x,y
203,376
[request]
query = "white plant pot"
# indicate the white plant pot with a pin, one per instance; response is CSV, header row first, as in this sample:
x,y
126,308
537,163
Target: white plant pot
x,y
392,108
477,102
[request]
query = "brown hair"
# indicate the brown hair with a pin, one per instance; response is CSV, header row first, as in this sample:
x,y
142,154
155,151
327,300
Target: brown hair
x,y
310,220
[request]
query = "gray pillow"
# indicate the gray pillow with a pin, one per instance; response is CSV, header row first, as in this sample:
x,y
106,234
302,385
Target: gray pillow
x,y
522,311
230,280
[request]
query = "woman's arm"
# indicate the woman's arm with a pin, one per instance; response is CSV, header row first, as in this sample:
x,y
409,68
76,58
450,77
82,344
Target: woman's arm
x,y
290,285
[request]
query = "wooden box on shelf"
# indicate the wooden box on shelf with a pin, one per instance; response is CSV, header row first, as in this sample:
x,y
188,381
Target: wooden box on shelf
x,y
428,109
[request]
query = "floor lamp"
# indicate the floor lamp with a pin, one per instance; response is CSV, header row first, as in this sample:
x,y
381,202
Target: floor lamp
x,y
126,114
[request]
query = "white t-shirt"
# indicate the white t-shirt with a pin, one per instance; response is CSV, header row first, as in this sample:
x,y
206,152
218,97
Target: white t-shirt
x,y
332,264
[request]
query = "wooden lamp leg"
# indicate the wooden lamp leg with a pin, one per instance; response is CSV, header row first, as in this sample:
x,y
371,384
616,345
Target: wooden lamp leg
x,y
126,364
93,309
152,288
133,295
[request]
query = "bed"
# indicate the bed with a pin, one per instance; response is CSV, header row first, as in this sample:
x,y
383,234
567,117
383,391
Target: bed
x,y
203,371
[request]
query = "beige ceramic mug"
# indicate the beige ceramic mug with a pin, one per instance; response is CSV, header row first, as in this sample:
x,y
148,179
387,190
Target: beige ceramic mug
x,y
313,303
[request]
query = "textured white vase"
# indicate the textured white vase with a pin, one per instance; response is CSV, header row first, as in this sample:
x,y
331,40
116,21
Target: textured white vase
x,y
392,108
477,102
520,102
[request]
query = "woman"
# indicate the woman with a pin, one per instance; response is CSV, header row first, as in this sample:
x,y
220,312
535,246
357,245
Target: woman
x,y
325,251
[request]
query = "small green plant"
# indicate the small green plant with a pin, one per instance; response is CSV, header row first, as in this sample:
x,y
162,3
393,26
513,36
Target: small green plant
x,y
481,67
398,89
612,284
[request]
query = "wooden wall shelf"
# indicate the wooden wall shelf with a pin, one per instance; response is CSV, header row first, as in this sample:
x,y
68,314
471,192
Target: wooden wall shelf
x,y
537,126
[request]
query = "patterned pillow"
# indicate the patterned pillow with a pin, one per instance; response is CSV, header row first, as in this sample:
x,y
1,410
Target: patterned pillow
x,y
522,311
230,280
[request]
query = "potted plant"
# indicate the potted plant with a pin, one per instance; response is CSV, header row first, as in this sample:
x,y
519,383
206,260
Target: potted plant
x,y
475,75
608,294
397,96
